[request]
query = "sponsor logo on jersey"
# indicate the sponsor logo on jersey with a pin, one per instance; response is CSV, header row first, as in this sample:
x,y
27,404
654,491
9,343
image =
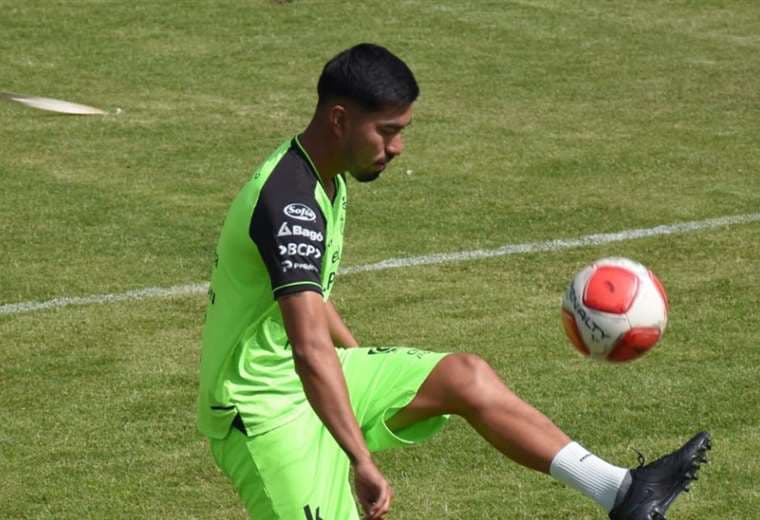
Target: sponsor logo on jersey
x,y
299,249
288,265
309,515
381,350
300,211
299,231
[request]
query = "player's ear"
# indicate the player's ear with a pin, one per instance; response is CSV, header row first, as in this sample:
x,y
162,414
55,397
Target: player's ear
x,y
338,120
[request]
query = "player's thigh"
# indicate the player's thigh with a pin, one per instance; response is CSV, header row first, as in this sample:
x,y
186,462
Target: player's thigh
x,y
296,471
383,380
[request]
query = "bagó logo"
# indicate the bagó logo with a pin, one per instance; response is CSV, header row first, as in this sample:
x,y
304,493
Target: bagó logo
x,y
300,211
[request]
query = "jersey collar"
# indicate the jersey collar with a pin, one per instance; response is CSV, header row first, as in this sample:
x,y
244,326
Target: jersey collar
x,y
305,154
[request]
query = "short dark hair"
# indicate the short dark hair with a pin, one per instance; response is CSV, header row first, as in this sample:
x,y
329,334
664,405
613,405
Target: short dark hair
x,y
369,75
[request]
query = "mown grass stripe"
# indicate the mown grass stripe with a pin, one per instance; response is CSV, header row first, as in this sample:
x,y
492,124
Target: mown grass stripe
x,y
395,263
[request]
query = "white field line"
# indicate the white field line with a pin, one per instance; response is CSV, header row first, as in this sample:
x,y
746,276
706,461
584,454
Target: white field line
x,y
394,263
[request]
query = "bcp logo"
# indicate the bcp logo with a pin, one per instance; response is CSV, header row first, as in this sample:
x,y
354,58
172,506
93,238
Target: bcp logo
x,y
300,211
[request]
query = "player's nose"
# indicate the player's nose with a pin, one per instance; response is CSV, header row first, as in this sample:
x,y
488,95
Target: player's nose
x,y
395,146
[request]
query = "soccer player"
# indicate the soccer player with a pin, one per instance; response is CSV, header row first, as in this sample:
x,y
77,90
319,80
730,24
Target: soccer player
x,y
291,403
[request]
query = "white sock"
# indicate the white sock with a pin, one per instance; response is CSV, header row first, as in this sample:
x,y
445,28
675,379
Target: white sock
x,y
578,468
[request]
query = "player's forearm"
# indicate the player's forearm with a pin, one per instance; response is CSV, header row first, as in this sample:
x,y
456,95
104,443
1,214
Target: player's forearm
x,y
339,332
325,386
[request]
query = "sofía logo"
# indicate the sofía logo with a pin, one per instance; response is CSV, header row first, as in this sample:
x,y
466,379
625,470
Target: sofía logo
x,y
300,211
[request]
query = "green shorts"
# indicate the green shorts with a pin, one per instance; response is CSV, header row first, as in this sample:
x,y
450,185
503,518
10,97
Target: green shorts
x,y
298,471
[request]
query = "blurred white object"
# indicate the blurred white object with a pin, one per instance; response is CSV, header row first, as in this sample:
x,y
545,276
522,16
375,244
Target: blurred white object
x,y
52,105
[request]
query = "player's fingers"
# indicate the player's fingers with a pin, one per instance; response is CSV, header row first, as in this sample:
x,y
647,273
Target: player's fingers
x,y
367,508
383,504
375,511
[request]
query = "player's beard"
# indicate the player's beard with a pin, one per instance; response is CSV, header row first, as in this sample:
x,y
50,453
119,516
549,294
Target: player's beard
x,y
367,177
371,173
356,153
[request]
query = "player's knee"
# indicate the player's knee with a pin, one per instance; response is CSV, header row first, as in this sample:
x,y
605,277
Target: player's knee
x,y
472,379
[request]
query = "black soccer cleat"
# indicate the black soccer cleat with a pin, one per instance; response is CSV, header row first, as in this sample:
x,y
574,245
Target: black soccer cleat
x,y
655,486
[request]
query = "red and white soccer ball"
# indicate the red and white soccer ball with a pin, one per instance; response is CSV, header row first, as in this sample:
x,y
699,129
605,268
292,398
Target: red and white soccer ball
x,y
615,310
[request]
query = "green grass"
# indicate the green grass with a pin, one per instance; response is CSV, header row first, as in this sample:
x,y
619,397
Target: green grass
x,y
537,120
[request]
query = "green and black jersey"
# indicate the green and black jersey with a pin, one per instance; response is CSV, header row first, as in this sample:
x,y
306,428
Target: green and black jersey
x,y
282,234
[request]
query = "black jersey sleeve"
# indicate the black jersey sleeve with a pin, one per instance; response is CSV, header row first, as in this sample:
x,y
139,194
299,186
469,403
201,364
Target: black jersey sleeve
x,y
288,229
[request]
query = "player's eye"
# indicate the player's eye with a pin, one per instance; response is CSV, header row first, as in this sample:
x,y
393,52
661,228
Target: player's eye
x,y
389,131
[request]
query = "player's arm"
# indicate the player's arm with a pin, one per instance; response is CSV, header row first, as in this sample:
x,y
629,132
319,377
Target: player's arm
x,y
317,364
339,332
293,258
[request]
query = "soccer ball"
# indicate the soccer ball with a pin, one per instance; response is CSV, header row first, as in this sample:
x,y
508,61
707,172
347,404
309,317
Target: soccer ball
x,y
615,310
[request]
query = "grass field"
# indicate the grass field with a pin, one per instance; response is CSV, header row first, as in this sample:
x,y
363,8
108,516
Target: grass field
x,y
538,120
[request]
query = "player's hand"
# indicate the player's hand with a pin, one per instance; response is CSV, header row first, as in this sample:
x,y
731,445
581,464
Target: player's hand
x,y
373,491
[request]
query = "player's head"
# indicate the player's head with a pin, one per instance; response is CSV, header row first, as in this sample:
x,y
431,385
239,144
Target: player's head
x,y
370,76
366,93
